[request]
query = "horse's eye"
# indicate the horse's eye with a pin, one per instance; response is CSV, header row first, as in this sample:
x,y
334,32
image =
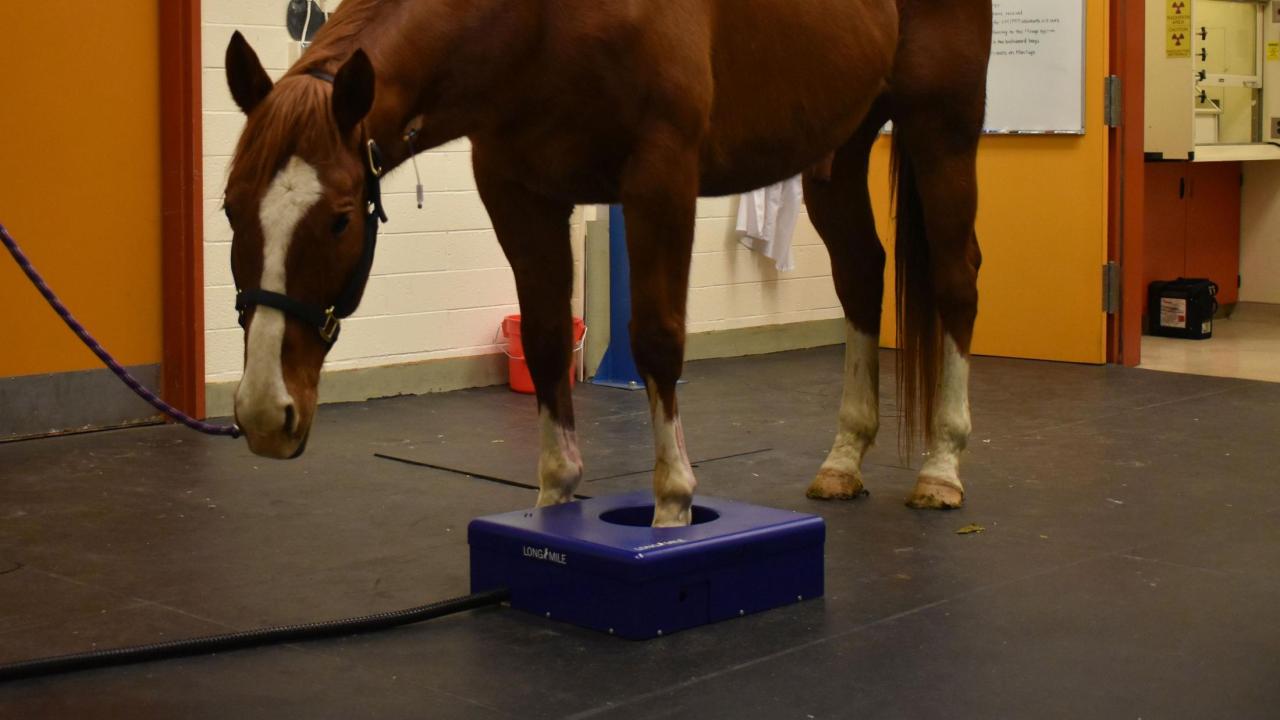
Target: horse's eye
x,y
340,224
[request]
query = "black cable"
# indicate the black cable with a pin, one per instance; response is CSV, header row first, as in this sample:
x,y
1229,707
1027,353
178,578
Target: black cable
x,y
247,638
468,473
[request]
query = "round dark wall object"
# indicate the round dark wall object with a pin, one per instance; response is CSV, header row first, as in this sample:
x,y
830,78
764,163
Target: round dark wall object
x,y
296,19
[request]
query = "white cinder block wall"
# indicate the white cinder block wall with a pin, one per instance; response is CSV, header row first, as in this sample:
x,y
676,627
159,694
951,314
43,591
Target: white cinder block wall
x,y
1260,227
731,287
440,285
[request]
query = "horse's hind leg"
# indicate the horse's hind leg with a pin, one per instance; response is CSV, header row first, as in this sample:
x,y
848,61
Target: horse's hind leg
x,y
534,234
840,208
937,101
939,137
659,202
945,176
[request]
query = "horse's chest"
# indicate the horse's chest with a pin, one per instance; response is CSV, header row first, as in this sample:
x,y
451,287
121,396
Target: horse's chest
x,y
577,167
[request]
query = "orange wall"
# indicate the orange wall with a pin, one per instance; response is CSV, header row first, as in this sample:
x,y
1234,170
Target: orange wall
x,y
1042,225
80,180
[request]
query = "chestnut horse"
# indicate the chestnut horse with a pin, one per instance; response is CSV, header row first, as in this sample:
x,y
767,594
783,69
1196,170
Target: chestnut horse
x,y
647,103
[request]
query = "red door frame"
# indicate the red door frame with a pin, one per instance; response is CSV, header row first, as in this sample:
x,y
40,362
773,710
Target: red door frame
x,y
1127,187
182,206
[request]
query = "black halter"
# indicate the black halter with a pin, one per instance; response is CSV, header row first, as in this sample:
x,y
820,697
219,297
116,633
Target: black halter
x,y
327,321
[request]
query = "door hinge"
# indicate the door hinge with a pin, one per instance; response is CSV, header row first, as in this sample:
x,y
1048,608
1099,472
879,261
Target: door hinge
x,y
1111,101
1111,288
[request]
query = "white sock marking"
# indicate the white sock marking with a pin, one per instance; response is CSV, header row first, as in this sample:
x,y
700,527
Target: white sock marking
x,y
859,404
262,395
673,481
559,462
951,424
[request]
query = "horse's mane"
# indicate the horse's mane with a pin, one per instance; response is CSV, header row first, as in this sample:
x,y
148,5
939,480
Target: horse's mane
x,y
296,114
335,41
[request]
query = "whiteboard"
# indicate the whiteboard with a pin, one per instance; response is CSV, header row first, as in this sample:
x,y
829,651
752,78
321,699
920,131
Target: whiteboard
x,y
1035,83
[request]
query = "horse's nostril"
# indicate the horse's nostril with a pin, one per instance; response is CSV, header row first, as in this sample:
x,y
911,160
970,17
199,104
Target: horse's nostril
x,y
288,419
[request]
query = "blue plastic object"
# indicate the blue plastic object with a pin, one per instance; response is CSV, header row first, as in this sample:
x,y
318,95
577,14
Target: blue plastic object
x,y
598,564
618,366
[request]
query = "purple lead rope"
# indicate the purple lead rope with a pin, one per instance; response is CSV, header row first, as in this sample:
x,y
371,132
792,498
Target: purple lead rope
x,y
208,428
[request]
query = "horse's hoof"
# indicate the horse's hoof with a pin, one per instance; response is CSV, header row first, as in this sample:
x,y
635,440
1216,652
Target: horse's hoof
x,y
936,494
671,513
672,520
547,498
833,484
670,523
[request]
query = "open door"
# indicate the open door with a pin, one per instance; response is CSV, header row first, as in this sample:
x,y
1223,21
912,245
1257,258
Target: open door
x,y
86,137
1125,225
1043,223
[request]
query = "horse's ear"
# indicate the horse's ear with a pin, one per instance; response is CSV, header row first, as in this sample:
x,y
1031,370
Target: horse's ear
x,y
249,83
353,92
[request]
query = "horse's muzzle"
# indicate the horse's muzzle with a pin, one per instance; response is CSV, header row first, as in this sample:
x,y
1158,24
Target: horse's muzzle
x,y
280,435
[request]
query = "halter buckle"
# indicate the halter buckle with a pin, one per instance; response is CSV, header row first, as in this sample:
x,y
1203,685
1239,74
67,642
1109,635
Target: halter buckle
x,y
329,331
374,157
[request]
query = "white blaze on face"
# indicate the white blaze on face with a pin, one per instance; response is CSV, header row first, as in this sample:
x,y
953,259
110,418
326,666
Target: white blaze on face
x,y
262,396
951,424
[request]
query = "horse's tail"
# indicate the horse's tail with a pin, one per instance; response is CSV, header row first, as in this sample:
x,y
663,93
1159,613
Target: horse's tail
x,y
919,328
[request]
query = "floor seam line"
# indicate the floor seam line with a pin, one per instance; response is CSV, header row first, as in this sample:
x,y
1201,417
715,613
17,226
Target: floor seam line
x,y
133,600
1184,566
1118,413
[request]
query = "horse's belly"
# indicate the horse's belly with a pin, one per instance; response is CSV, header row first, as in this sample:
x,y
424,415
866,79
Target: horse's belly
x,y
566,162
793,81
788,82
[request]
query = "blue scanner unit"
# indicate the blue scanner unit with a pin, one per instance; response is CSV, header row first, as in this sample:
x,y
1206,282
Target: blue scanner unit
x,y
597,563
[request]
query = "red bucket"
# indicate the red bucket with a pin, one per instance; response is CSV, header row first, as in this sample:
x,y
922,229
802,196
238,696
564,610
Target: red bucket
x,y
520,380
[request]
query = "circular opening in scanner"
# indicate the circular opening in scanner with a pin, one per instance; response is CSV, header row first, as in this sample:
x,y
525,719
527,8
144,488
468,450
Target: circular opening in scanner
x,y
642,515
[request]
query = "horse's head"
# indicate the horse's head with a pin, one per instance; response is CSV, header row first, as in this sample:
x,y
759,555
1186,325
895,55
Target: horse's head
x,y
300,198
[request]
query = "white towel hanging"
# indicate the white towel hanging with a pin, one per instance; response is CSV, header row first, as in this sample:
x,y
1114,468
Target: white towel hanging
x,y
767,218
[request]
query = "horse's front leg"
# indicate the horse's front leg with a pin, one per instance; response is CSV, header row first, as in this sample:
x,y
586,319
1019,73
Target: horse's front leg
x,y
659,202
534,234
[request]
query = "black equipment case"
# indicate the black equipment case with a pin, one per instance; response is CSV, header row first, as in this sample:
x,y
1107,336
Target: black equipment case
x,y
1182,308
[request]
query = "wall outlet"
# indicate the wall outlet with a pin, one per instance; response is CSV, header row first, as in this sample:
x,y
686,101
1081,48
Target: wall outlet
x,y
1275,128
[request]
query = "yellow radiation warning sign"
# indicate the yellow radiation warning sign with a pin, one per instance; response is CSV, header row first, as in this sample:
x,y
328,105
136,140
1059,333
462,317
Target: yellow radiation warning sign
x,y
1177,29
1273,51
